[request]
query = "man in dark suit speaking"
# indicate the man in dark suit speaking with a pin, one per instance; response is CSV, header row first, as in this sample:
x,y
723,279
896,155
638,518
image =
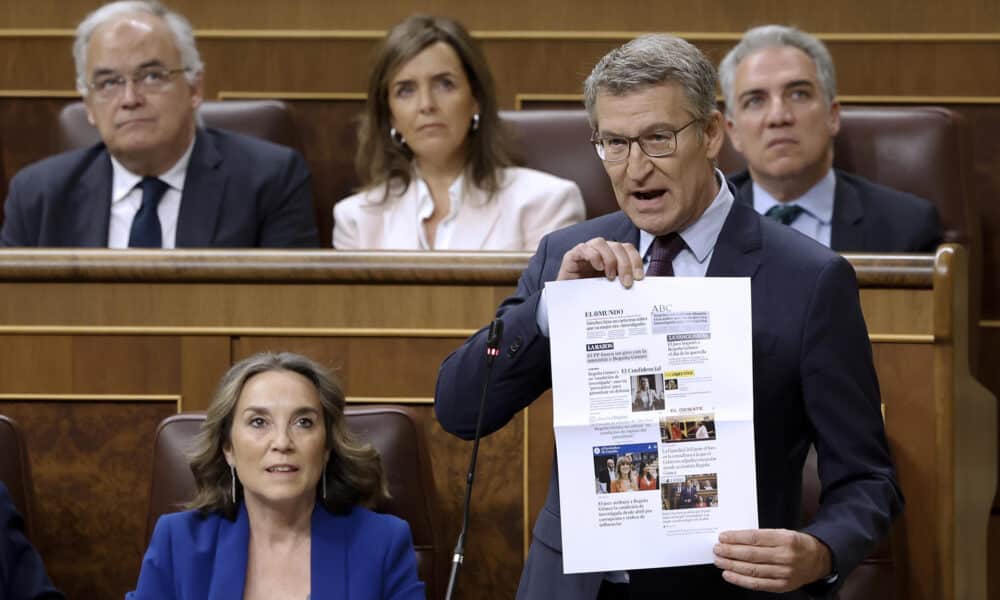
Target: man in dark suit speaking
x,y
156,180
782,115
652,104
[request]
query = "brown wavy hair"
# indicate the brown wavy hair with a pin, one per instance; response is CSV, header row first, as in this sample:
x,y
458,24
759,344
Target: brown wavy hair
x,y
354,472
379,160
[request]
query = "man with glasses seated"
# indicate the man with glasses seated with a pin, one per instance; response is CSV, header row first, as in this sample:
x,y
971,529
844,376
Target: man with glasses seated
x,y
782,115
156,180
652,105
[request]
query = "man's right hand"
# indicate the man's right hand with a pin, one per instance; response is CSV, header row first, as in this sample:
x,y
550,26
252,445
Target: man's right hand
x,y
599,257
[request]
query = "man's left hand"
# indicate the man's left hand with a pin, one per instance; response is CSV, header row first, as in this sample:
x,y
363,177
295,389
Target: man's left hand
x,y
771,560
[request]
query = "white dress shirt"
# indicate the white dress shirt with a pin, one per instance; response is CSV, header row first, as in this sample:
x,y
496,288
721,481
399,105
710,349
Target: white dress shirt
x,y
816,220
126,199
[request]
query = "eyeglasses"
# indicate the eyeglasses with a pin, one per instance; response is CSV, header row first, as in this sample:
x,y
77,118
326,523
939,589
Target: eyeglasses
x,y
150,80
656,144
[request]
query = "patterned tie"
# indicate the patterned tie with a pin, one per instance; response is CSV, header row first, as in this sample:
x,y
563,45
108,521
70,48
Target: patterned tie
x,y
784,213
662,253
145,231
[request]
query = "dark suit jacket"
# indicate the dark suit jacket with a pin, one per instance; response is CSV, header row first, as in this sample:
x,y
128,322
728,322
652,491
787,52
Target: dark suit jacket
x,y
240,192
22,574
814,383
359,556
868,217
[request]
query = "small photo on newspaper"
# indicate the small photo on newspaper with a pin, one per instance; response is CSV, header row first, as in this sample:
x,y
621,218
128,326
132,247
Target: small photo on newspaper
x,y
653,416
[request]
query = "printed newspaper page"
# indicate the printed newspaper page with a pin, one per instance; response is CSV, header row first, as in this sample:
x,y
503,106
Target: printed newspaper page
x,y
653,414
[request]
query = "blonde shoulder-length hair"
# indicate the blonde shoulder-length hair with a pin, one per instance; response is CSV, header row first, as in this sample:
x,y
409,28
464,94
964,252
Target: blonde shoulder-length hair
x,y
354,472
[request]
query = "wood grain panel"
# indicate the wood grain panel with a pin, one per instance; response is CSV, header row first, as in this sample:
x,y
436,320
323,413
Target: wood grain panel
x,y
642,15
366,366
203,361
149,305
554,65
90,464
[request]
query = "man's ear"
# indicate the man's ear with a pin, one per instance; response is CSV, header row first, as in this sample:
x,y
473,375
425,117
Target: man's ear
x,y
715,134
734,135
833,124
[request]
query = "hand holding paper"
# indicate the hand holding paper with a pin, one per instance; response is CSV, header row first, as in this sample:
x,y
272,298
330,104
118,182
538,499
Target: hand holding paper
x,y
599,257
771,560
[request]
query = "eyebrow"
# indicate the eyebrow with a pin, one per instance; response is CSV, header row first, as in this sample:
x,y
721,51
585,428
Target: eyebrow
x,y
662,126
791,84
437,75
266,411
109,71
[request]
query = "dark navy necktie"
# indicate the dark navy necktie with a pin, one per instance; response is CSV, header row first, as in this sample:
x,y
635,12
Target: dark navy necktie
x,y
146,231
784,213
662,253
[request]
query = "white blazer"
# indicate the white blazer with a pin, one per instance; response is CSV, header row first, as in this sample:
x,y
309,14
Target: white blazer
x,y
528,205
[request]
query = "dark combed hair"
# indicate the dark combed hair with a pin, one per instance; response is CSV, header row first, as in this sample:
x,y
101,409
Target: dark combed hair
x,y
354,473
379,160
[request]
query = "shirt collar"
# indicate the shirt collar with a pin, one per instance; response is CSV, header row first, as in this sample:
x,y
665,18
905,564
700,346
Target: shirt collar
x,y
124,181
817,201
700,236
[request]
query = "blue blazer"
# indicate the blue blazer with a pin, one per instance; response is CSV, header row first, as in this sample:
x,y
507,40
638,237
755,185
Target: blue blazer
x,y
240,192
813,383
22,574
359,556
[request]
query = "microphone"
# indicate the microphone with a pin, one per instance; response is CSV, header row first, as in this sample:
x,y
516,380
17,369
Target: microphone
x,y
492,351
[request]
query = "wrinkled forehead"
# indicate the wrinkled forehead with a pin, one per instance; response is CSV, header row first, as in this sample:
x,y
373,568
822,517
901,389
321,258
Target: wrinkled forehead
x,y
129,41
775,66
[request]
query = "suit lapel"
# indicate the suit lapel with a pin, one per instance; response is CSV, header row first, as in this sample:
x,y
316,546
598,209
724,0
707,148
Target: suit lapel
x,y
201,199
623,230
848,214
90,206
331,537
230,567
737,250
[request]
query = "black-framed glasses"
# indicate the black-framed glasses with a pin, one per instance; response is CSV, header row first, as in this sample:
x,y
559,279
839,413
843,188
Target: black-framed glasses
x,y
148,80
654,144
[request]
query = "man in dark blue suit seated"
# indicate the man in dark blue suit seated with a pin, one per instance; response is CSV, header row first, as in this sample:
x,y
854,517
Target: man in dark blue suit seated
x,y
652,105
157,179
782,115
22,574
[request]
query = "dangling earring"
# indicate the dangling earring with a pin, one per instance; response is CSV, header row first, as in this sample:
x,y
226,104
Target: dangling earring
x,y
396,137
232,474
475,122
324,482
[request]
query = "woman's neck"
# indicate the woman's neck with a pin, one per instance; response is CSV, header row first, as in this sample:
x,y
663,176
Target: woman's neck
x,y
280,524
440,174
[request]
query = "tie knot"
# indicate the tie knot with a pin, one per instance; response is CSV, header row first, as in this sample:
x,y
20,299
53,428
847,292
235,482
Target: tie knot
x,y
152,190
662,253
784,213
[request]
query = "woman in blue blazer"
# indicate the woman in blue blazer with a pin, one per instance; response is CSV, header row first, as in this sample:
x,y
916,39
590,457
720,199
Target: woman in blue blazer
x,y
280,508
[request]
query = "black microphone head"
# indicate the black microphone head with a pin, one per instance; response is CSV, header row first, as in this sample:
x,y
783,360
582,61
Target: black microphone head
x,y
495,334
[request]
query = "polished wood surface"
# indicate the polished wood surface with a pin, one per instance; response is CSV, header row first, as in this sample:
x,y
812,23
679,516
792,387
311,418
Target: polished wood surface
x,y
98,345
644,15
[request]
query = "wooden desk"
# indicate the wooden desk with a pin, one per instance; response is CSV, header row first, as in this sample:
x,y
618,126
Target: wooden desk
x,y
97,346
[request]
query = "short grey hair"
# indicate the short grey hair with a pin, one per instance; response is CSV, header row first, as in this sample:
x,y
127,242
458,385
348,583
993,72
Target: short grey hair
x,y
176,23
771,36
652,60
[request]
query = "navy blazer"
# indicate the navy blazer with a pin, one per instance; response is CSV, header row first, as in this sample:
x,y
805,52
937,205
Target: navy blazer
x,y
359,556
239,192
868,217
814,382
22,574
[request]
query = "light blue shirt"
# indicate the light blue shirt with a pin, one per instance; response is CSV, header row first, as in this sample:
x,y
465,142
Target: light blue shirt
x,y
699,238
816,220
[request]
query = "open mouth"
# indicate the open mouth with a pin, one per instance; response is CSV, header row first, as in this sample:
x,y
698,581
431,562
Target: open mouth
x,y
282,469
648,194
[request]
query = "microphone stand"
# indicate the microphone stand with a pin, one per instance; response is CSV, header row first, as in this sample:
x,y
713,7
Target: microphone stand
x,y
492,351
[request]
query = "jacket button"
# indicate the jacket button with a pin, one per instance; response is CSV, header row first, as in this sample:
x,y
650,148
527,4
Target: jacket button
x,y
515,346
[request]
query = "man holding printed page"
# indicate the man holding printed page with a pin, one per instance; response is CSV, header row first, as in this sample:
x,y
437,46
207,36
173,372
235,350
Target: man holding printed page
x,y
652,105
